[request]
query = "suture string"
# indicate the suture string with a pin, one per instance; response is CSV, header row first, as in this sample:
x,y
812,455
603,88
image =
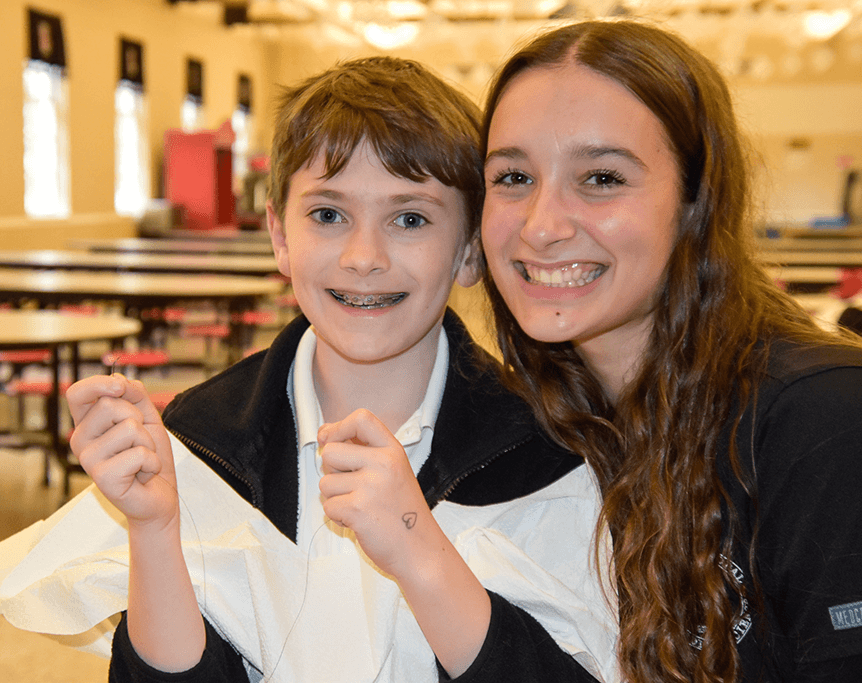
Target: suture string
x,y
266,677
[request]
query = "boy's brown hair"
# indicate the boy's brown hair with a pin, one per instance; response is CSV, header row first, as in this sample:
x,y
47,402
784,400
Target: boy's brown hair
x,y
418,125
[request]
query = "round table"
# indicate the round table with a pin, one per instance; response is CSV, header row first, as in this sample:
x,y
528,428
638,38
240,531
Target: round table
x,y
150,245
54,330
141,291
223,264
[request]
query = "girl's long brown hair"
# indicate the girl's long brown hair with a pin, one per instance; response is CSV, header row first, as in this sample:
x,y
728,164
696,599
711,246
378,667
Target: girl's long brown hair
x,y
655,451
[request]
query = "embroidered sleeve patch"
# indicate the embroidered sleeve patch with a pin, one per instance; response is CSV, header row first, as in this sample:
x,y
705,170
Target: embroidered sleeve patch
x,y
846,616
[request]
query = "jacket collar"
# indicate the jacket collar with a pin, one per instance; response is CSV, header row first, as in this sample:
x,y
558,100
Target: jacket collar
x,y
242,417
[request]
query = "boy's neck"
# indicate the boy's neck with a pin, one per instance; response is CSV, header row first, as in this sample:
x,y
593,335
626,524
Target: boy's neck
x,y
391,389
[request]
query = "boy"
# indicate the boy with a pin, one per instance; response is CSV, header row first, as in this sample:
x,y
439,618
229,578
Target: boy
x,y
366,413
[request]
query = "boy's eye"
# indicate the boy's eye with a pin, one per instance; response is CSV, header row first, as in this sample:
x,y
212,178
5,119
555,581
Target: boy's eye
x,y
509,177
410,221
327,216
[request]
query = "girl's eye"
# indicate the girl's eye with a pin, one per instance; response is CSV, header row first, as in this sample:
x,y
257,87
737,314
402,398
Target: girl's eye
x,y
509,177
410,221
327,215
605,178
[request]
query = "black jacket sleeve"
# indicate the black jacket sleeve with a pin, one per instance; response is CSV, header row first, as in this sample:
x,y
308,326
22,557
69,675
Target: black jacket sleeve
x,y
809,548
518,649
219,664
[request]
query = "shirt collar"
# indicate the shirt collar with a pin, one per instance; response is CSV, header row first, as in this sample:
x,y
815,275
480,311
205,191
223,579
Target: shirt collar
x,y
309,417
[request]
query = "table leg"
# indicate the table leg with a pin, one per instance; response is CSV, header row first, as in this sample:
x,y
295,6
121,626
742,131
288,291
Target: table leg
x,y
53,415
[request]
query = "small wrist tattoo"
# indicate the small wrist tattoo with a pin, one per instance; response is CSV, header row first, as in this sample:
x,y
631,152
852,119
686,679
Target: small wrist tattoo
x,y
409,519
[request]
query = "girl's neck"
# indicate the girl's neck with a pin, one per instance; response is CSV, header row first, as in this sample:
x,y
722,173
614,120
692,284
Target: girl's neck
x,y
615,359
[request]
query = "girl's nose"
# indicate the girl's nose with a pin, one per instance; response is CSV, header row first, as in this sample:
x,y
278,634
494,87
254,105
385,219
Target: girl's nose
x,y
547,219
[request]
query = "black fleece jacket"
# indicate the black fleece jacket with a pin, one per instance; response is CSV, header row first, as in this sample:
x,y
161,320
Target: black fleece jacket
x,y
486,449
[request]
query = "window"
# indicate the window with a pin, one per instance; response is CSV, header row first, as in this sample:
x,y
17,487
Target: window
x,y
46,141
241,122
192,114
131,154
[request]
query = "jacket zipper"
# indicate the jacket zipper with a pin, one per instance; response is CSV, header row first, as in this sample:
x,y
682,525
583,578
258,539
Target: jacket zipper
x,y
221,462
482,465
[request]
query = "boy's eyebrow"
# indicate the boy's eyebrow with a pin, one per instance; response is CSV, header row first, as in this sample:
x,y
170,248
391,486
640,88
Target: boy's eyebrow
x,y
417,196
405,198
323,194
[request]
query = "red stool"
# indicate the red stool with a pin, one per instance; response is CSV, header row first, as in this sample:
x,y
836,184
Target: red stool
x,y
126,361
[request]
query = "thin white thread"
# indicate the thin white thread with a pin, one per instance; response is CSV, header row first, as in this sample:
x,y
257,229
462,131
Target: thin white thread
x,y
301,604
204,577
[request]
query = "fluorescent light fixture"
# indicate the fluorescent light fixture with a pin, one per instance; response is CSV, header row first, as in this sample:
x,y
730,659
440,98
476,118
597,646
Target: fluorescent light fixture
x,y
390,37
406,10
821,25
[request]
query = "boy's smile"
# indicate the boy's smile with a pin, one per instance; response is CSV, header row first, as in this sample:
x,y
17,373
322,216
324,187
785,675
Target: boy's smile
x,y
368,301
372,258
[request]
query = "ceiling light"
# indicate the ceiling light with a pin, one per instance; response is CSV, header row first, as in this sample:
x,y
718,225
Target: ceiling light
x,y
821,25
390,37
406,10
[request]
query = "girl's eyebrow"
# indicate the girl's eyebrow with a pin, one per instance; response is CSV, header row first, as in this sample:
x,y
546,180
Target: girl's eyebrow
x,y
509,153
599,151
577,152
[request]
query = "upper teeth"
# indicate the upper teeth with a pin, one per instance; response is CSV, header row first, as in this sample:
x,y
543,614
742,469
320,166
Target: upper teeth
x,y
368,300
574,275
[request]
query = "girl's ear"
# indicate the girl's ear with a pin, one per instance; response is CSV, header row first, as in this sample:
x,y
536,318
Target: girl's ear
x,y
279,242
468,272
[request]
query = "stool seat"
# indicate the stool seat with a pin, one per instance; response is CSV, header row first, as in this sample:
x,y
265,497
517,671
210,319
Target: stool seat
x,y
217,330
21,387
144,358
26,356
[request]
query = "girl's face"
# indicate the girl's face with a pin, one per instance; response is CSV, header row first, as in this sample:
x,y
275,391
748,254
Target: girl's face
x,y
581,212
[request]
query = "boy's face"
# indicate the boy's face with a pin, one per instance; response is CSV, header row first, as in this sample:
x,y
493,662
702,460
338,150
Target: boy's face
x,y
371,256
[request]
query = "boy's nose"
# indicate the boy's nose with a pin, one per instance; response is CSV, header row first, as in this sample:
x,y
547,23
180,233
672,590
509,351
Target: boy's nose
x,y
547,219
364,253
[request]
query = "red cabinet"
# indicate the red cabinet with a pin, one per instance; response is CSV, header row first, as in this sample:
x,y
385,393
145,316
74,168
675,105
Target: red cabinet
x,y
198,176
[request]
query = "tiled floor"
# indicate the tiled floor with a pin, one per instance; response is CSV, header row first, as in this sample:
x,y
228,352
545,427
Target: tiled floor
x,y
31,658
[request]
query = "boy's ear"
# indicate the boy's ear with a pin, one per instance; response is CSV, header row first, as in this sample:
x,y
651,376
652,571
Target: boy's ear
x,y
279,244
468,273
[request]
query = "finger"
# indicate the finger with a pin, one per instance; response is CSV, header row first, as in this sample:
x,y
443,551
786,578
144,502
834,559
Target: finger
x,y
115,475
84,394
136,393
339,483
348,457
126,435
361,426
106,412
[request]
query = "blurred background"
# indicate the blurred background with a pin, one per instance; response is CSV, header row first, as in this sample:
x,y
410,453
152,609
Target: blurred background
x,y
134,140
128,71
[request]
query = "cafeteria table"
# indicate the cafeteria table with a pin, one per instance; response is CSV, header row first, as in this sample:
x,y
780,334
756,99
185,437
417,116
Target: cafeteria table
x,y
812,257
54,330
141,291
222,264
151,245
850,244
801,279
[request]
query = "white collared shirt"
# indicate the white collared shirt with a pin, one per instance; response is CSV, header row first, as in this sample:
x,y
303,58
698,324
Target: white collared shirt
x,y
415,436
